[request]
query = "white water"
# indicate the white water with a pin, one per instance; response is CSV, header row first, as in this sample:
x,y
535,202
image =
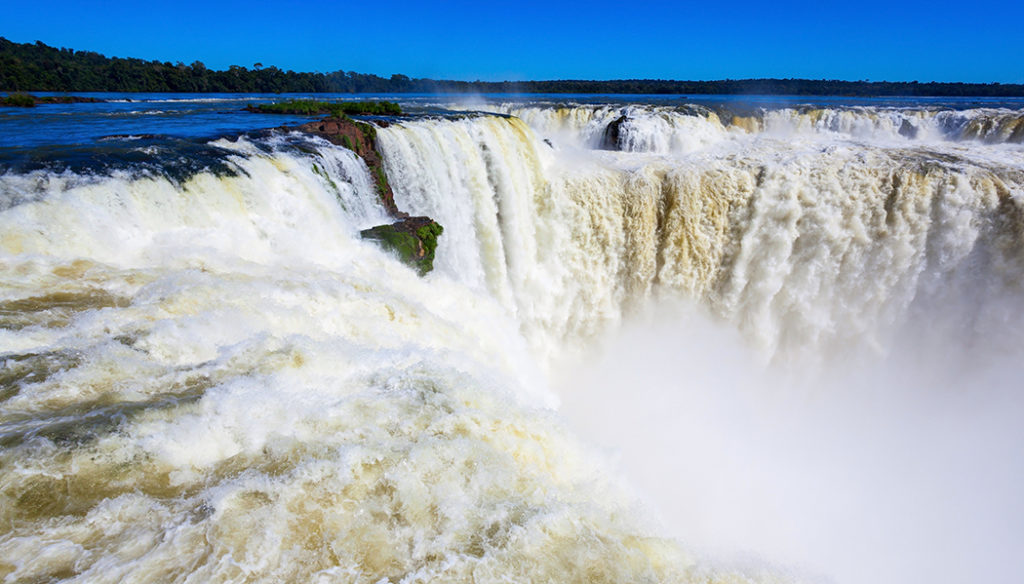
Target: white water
x,y
219,381
816,244
689,127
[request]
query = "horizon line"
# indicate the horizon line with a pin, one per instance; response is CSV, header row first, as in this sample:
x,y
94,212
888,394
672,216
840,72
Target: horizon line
x,y
510,81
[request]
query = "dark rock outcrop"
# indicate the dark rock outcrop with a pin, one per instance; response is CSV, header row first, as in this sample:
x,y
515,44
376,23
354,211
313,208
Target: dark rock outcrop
x,y
414,239
29,100
360,138
613,134
907,130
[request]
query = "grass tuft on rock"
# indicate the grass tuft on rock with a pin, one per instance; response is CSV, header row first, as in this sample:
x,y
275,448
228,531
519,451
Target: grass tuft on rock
x,y
413,239
310,107
19,100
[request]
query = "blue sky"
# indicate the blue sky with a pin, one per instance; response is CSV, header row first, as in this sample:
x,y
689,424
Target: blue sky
x,y
900,40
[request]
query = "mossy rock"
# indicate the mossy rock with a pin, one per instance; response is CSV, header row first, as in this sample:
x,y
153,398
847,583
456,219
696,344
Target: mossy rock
x,y
414,239
361,138
19,100
309,107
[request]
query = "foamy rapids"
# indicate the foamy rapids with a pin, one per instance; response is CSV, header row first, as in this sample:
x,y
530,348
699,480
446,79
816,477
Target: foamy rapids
x,y
214,379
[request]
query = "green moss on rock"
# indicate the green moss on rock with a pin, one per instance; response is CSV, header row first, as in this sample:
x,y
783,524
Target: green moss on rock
x,y
19,100
428,234
361,138
414,239
310,107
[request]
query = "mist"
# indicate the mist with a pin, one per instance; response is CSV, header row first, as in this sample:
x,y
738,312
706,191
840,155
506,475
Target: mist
x,y
882,468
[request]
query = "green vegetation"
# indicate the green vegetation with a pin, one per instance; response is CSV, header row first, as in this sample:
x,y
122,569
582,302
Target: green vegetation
x,y
338,109
368,130
381,179
19,100
38,67
360,138
413,239
27,100
66,99
428,234
405,244
323,174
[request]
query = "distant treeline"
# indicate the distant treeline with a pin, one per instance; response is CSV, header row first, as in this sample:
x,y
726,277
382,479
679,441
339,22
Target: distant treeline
x,y
38,67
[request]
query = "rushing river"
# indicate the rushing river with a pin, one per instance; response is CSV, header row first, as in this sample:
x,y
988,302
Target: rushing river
x,y
665,340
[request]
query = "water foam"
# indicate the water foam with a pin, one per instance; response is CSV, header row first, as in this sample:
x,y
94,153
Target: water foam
x,y
214,379
239,388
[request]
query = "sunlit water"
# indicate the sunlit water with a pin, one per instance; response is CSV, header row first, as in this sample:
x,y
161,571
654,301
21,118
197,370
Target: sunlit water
x,y
734,340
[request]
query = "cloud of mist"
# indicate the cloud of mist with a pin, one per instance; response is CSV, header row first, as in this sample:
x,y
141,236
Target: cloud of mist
x,y
904,468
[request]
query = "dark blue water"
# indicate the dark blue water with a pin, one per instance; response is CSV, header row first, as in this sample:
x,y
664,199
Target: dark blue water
x,y
174,131
127,116
132,115
164,133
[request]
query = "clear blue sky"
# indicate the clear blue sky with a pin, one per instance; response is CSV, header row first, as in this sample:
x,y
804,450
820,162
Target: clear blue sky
x,y
898,40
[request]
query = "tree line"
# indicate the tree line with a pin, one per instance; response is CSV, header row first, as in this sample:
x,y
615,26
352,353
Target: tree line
x,y
39,67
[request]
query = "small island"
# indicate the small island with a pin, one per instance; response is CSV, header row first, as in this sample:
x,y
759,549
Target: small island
x,y
310,107
29,100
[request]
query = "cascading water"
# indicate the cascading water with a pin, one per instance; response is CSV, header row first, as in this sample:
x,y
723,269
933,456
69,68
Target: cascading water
x,y
689,127
211,377
799,243
881,275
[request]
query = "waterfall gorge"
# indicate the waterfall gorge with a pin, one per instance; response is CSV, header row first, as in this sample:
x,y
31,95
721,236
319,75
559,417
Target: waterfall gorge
x,y
650,331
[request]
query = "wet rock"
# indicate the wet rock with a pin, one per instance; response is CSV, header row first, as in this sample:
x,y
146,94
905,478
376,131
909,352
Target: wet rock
x,y
908,130
414,239
613,134
361,138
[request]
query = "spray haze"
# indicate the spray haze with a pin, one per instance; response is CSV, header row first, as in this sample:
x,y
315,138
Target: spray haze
x,y
797,333
846,401
903,467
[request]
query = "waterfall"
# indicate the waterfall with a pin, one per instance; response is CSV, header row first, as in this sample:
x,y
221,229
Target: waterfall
x,y
208,376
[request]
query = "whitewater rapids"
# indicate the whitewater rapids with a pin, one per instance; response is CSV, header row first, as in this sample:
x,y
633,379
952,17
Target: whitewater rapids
x,y
214,379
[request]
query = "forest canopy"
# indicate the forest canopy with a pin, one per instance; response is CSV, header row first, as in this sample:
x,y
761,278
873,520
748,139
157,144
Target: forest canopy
x,y
39,67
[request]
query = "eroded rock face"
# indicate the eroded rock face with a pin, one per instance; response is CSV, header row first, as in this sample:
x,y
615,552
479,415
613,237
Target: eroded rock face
x,y
361,138
613,134
414,239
